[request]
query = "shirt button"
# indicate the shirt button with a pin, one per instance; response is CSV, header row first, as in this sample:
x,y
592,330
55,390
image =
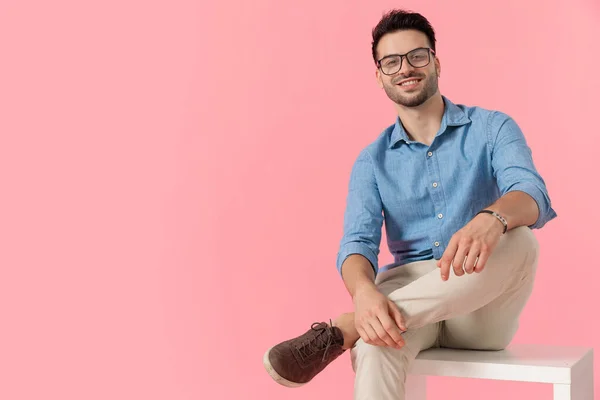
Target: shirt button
x,y
435,184
440,216
437,244
429,154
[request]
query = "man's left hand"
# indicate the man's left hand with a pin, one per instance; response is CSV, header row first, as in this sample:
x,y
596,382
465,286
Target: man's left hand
x,y
470,247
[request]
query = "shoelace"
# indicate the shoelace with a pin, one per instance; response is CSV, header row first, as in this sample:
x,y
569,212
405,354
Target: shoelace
x,y
323,338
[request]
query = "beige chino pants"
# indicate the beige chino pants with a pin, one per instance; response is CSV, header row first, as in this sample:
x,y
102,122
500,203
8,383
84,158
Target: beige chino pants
x,y
478,311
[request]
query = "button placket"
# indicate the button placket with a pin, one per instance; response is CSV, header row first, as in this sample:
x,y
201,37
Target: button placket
x,y
436,196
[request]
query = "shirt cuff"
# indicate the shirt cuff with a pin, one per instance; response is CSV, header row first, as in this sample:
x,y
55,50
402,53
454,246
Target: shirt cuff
x,y
546,213
356,248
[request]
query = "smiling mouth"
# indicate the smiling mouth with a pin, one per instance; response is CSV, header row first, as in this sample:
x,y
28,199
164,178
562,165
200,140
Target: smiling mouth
x,y
409,82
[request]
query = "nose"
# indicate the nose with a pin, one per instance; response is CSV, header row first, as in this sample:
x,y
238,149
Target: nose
x,y
405,68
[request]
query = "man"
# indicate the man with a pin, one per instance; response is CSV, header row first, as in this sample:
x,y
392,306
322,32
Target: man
x,y
459,194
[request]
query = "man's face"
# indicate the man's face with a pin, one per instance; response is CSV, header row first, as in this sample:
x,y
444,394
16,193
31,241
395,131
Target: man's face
x,y
426,85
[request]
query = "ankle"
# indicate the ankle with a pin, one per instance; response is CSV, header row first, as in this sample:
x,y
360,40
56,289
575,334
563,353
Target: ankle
x,y
345,323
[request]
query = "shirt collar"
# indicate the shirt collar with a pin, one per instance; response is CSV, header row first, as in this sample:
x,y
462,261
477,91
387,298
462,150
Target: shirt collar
x,y
453,116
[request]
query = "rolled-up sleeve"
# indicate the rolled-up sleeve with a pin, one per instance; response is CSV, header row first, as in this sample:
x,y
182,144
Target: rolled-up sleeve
x,y
513,165
363,217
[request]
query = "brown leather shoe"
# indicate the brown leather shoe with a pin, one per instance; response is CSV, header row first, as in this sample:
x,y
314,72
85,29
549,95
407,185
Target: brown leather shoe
x,y
296,361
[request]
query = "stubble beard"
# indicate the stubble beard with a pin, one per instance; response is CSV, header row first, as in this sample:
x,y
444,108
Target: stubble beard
x,y
413,99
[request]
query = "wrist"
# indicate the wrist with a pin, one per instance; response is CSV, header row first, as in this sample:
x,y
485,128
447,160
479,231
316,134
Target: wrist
x,y
498,217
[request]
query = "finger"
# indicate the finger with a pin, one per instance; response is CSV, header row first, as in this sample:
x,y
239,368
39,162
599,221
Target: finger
x,y
447,257
382,333
471,258
399,321
483,257
368,337
397,315
384,336
392,331
459,259
372,335
363,335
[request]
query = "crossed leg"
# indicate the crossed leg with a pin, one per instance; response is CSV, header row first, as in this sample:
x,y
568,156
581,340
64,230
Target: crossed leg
x,y
474,311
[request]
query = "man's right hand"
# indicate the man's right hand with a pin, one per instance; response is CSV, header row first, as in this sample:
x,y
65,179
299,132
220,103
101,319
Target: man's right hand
x,y
377,319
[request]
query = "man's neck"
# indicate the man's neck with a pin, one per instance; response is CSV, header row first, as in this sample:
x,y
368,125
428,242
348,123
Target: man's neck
x,y
422,123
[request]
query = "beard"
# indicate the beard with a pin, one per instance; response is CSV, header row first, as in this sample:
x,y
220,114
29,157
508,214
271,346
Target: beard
x,y
416,98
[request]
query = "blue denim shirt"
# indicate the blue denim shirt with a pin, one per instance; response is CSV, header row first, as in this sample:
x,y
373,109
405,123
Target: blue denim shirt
x,y
426,194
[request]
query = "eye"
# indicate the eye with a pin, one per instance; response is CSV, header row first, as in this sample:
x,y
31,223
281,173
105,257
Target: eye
x,y
390,62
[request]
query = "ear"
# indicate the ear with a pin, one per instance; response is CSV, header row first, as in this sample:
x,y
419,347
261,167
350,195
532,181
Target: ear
x,y
378,78
438,66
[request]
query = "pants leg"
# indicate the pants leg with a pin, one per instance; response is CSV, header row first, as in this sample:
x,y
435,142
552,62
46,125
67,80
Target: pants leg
x,y
381,371
426,301
493,326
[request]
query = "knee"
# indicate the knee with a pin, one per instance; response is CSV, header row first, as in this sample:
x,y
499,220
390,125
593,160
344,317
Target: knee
x,y
522,243
362,349
370,356
525,237
532,247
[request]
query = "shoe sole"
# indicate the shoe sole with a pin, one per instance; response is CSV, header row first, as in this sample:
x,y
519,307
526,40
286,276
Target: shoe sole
x,y
276,377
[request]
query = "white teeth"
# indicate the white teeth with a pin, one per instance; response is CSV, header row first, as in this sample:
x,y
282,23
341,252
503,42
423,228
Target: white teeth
x,y
408,83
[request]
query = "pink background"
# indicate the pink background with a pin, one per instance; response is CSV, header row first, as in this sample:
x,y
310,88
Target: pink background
x,y
174,174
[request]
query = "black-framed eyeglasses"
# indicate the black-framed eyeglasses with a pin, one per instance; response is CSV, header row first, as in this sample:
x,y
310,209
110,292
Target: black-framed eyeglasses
x,y
418,58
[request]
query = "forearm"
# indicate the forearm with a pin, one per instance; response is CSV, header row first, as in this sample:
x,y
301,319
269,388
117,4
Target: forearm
x,y
357,273
518,208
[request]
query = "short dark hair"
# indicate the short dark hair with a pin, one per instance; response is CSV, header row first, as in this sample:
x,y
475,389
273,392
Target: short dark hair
x,y
401,20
